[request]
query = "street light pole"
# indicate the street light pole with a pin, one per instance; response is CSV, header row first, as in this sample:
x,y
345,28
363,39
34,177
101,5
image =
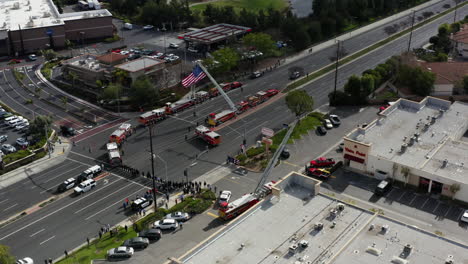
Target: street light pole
x,y
47,139
411,32
150,127
336,67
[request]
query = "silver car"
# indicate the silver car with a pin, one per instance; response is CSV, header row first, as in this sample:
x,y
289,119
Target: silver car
x,y
178,216
166,224
7,148
120,252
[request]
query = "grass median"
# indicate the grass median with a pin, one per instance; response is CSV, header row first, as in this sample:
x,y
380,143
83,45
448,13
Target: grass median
x,y
360,53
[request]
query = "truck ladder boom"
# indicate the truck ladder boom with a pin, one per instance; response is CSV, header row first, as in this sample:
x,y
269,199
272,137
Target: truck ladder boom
x,y
221,91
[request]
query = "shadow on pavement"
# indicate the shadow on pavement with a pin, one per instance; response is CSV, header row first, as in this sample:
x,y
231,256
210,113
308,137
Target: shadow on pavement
x,y
217,222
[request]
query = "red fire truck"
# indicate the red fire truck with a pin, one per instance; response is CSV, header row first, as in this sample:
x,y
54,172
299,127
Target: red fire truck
x,y
271,92
230,210
127,128
242,106
118,136
221,117
152,116
232,85
209,136
178,106
113,154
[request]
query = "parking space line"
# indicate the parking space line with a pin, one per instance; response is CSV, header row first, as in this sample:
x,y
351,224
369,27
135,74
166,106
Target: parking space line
x,y
414,197
461,213
112,205
212,215
438,203
232,181
422,206
446,213
37,232
292,164
46,240
389,193
10,207
4,201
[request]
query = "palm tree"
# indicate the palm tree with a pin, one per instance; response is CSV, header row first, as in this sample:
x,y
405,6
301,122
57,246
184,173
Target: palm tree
x,y
64,100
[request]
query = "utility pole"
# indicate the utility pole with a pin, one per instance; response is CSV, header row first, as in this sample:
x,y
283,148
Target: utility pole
x,y
456,7
336,67
411,33
47,139
150,127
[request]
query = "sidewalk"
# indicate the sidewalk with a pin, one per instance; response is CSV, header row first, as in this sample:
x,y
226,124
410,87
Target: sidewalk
x,y
57,156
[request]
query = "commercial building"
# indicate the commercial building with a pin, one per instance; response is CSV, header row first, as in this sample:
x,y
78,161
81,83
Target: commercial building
x,y
27,26
143,66
418,143
300,225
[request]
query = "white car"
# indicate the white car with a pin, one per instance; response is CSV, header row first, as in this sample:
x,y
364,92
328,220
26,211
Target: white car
x,y
179,216
166,224
328,124
21,126
25,261
22,142
464,217
125,52
224,197
148,27
173,46
120,252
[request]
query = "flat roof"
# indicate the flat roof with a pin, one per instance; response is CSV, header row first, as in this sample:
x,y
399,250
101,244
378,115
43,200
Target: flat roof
x,y
266,232
86,61
438,127
215,33
139,64
38,13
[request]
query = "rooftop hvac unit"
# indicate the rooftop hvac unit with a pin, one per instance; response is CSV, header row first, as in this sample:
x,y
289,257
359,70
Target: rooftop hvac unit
x,y
398,260
449,260
444,163
433,119
46,14
411,141
403,148
374,251
16,5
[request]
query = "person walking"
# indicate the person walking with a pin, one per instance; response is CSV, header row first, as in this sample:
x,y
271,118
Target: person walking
x,y
181,225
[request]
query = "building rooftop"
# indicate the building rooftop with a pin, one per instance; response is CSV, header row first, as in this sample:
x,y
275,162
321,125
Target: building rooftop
x,y
462,35
86,61
447,72
38,13
428,132
215,33
266,233
139,64
111,57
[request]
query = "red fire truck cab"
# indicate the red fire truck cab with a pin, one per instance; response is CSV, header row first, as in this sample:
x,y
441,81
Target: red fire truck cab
x,y
118,136
152,116
209,136
180,105
221,117
242,106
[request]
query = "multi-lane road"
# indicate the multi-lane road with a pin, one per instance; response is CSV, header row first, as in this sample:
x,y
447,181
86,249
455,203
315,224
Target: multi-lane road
x,y
67,222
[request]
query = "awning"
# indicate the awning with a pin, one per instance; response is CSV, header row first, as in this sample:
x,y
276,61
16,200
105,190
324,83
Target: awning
x,y
353,158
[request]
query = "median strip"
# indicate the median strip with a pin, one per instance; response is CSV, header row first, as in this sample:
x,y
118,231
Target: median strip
x,y
364,51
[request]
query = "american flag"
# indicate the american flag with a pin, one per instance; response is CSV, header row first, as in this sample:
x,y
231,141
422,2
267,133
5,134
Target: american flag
x,y
196,75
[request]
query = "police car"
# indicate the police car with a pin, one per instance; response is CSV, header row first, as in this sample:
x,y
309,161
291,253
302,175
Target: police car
x,y
67,185
141,203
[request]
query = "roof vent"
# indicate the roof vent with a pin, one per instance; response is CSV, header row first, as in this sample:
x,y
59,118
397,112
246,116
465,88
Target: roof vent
x,y
398,260
426,126
444,163
433,119
16,5
441,112
411,141
403,148
428,118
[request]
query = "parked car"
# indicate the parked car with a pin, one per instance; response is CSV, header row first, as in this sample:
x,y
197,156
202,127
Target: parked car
x,y
225,197
120,252
32,57
464,217
322,162
383,187
178,216
166,224
341,146
147,52
335,120
125,52
7,148
141,203
151,233
321,130
294,75
3,138
256,74
148,27
327,123
137,242
321,173
285,153
85,186
134,56
67,131
66,185
22,142
25,261
173,46
271,92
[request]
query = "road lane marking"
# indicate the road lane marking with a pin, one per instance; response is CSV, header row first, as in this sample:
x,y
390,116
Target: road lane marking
x,y
37,232
232,181
212,215
292,164
60,174
53,212
4,201
10,207
46,240
58,167
102,198
112,205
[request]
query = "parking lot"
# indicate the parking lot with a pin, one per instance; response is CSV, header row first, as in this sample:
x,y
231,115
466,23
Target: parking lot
x,y
11,133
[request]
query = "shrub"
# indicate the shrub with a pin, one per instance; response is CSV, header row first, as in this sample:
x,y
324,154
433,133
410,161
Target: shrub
x,y
180,206
208,195
251,152
112,39
9,158
316,115
198,206
150,218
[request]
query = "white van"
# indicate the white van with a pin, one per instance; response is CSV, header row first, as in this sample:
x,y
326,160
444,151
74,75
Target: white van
x,y
90,173
128,26
85,186
13,122
10,118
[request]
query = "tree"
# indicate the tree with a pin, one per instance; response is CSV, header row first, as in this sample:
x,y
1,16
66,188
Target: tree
x,y
367,85
141,91
260,41
64,100
353,86
299,102
465,83
38,91
5,255
49,54
38,125
227,58
120,76
421,82
112,91
454,188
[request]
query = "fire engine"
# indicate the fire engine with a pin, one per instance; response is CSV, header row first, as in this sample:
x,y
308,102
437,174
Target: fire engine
x,y
321,173
228,86
178,106
221,117
209,136
113,154
230,210
152,116
242,106
127,128
322,162
201,96
118,136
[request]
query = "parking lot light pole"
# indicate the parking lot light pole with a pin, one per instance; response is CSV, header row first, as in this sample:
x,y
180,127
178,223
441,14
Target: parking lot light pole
x,y
150,127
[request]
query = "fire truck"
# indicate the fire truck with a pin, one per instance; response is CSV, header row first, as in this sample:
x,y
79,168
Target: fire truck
x,y
230,210
242,106
152,116
317,172
221,117
201,96
232,85
118,136
178,106
262,96
113,154
127,128
253,101
209,136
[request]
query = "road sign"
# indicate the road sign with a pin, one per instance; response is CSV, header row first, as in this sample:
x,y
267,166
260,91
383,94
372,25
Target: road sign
x,y
267,141
49,32
267,132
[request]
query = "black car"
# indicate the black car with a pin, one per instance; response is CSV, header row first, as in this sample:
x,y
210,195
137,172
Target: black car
x,y
151,234
294,75
134,56
321,130
256,74
335,120
285,153
67,131
383,187
137,242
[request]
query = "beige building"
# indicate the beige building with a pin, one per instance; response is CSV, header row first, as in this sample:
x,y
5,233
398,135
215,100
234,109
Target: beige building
x,y
143,66
420,144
